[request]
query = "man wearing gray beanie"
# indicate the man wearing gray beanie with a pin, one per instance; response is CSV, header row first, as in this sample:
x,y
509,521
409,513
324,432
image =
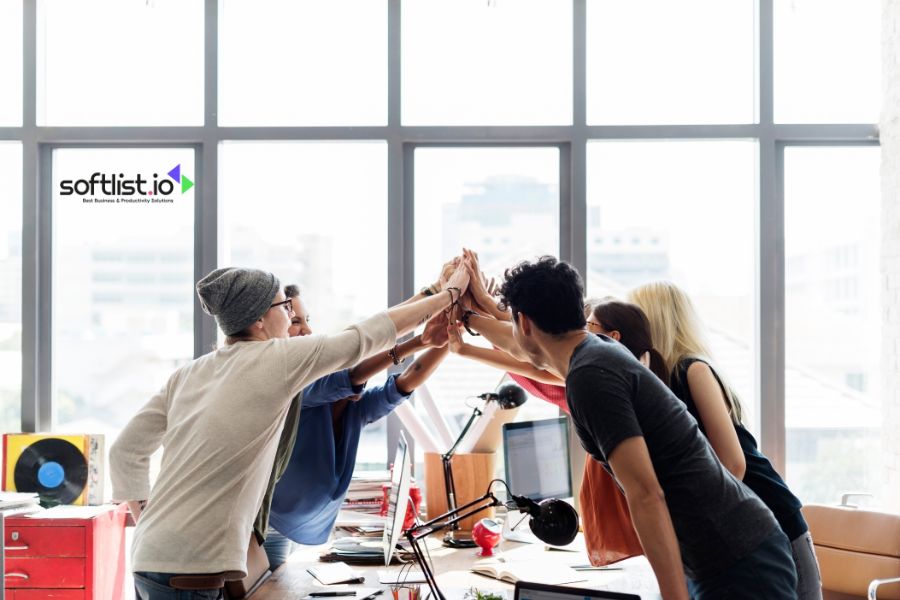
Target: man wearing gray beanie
x,y
237,297
219,418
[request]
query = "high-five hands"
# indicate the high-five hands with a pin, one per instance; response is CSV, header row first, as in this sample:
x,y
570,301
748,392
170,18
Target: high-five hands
x,y
435,332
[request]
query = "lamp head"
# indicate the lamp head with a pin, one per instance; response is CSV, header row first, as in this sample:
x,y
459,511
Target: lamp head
x,y
553,521
557,523
508,396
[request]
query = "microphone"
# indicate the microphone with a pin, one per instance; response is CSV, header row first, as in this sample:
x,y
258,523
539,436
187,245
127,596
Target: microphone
x,y
508,396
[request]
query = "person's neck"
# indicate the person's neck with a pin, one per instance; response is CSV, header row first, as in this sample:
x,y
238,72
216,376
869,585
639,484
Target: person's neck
x,y
557,350
255,336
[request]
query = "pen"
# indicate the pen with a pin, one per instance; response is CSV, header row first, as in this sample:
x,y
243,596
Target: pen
x,y
373,594
331,594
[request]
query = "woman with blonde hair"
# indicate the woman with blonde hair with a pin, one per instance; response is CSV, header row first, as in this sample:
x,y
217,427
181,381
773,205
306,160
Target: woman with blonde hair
x,y
677,334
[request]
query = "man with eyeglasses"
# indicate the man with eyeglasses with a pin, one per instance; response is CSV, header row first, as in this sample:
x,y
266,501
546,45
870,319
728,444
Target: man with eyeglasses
x,y
219,418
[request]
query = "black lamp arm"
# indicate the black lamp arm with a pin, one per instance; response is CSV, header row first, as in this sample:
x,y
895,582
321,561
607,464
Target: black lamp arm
x,y
415,534
449,486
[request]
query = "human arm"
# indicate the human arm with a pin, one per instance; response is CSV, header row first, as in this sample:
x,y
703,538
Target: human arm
x,y
434,335
328,389
499,359
310,357
129,456
421,369
407,317
480,291
713,411
378,401
498,333
437,286
381,361
630,462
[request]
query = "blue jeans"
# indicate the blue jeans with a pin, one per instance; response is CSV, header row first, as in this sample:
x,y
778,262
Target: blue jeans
x,y
155,586
767,572
277,548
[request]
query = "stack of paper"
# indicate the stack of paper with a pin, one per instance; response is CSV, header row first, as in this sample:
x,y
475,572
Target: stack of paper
x,y
16,503
365,491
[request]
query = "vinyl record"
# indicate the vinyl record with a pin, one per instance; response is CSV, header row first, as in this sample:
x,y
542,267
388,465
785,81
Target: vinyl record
x,y
52,468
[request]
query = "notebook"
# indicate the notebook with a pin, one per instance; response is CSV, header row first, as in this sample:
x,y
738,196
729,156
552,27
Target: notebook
x,y
527,571
336,572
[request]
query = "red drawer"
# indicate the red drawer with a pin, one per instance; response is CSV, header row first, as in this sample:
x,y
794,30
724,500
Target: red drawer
x,y
44,542
44,594
45,572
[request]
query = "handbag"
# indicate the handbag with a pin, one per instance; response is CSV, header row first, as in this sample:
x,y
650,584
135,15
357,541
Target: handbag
x,y
608,532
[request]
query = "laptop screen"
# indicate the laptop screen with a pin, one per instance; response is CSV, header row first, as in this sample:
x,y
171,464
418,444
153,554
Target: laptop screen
x,y
525,590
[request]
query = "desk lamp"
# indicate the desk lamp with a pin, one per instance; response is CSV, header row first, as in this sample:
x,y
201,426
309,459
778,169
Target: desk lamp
x,y
508,396
553,521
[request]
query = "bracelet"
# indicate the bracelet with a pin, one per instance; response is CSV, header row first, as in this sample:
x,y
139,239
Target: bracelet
x,y
427,291
465,322
392,353
458,294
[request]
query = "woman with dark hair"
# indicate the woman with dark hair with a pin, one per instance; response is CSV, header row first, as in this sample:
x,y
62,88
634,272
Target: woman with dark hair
x,y
627,324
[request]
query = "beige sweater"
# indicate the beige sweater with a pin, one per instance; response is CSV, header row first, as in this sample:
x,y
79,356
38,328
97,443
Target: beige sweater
x,y
219,418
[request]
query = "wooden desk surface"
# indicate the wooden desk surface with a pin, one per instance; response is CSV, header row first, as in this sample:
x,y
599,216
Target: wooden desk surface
x,y
292,582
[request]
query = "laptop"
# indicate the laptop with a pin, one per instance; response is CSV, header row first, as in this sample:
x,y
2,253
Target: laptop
x,y
526,590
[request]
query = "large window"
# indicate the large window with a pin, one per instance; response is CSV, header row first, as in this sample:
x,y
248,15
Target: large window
x,y
827,61
307,62
122,282
833,300
682,212
354,145
10,62
501,202
471,62
661,62
290,208
120,62
10,285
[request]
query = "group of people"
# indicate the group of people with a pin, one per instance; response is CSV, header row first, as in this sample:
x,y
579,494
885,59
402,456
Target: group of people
x,y
260,436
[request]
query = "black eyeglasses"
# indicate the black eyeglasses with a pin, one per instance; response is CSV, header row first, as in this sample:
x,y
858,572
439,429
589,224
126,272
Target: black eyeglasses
x,y
286,305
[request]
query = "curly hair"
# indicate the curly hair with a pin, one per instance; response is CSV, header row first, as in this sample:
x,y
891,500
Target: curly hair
x,y
548,291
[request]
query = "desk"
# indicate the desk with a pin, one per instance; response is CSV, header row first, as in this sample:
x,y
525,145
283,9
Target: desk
x,y
292,582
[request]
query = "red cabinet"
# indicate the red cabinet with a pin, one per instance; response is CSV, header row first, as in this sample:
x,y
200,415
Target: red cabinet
x,y
66,559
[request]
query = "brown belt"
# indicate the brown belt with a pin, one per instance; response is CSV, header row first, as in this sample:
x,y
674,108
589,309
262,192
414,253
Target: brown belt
x,y
197,582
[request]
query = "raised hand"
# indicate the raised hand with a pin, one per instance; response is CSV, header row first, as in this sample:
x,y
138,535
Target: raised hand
x,y
459,279
435,332
454,337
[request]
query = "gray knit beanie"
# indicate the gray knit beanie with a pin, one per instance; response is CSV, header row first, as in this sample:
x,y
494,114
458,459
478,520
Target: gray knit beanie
x,y
237,298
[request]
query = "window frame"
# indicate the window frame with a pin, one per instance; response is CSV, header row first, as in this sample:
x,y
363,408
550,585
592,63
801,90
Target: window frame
x,y
38,143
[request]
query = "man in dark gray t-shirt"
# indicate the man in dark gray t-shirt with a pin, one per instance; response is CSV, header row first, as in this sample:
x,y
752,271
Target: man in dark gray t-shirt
x,y
694,519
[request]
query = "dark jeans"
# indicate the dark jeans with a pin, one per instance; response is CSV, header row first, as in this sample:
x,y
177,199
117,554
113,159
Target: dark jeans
x,y
155,586
767,572
277,547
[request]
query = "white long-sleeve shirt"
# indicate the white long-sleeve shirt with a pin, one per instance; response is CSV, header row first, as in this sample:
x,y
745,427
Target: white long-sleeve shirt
x,y
219,418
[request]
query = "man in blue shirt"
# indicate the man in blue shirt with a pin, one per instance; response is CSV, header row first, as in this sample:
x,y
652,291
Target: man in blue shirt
x,y
335,408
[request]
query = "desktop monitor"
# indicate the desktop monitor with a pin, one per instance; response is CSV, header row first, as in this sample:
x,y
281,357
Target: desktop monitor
x,y
536,454
401,475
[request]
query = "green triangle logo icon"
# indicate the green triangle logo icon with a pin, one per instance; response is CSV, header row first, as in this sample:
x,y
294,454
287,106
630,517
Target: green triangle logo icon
x,y
186,183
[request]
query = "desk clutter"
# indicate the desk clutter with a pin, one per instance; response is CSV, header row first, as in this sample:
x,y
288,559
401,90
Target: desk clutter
x,y
62,469
59,540
65,552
